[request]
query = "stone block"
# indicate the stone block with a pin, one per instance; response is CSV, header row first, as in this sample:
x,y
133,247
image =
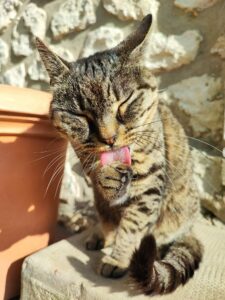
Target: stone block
x,y
15,76
131,9
8,12
165,53
219,47
66,271
190,5
73,15
35,20
199,104
101,39
208,177
4,53
21,44
32,23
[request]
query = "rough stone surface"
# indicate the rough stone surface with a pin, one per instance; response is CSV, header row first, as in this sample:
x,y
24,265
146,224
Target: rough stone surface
x,y
223,168
168,53
73,15
15,76
8,12
219,47
35,20
208,179
101,39
32,23
4,53
191,5
66,270
200,100
131,10
21,44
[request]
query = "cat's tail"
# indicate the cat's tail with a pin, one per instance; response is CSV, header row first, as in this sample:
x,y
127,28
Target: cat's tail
x,y
161,276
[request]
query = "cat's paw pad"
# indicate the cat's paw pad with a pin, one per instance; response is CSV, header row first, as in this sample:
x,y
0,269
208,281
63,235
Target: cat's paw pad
x,y
110,268
94,243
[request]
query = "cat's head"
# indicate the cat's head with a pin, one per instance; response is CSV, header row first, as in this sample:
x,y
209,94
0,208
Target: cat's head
x,y
100,102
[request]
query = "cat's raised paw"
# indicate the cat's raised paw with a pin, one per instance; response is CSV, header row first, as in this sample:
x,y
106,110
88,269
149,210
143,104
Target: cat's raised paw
x,y
113,180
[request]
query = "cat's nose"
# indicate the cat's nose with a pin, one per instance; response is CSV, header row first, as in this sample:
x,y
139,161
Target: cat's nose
x,y
110,141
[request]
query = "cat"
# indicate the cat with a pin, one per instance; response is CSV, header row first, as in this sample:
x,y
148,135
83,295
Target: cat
x,y
138,158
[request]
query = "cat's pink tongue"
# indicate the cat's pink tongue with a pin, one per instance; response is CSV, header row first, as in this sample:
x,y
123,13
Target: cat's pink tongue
x,y
122,155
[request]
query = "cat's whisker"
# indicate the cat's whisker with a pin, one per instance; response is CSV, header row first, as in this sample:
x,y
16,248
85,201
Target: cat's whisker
x,y
178,145
92,165
161,90
205,143
57,171
150,123
47,155
53,162
80,150
189,137
51,150
58,185
83,150
54,140
86,162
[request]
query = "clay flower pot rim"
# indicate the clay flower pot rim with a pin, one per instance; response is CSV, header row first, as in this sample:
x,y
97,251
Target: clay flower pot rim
x,y
25,112
21,103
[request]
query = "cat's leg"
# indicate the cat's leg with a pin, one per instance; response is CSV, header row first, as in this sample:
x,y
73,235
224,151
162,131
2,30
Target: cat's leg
x,y
109,232
137,220
96,239
103,236
112,183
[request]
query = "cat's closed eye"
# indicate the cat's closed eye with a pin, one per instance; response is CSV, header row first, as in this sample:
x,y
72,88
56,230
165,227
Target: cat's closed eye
x,y
122,109
129,109
119,117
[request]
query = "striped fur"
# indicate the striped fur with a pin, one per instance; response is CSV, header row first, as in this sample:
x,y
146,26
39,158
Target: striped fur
x,y
108,101
176,266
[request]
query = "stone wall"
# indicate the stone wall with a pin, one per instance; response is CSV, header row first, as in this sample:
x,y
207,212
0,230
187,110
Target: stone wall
x,y
186,51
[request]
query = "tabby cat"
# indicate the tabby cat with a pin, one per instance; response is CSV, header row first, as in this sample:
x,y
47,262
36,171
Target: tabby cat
x,y
138,158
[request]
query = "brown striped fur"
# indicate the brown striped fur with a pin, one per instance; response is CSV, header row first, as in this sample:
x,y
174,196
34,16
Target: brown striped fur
x,y
108,101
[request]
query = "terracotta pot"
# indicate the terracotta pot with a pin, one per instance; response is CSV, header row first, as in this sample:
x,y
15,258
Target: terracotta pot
x,y
30,154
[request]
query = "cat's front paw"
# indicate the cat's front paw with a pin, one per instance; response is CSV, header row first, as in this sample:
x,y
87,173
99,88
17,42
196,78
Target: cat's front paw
x,y
113,180
94,242
111,268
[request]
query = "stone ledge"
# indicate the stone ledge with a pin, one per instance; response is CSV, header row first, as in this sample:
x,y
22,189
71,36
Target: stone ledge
x,y
65,271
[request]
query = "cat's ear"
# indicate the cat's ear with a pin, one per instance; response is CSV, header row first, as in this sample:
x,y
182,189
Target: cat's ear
x,y
54,64
135,39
